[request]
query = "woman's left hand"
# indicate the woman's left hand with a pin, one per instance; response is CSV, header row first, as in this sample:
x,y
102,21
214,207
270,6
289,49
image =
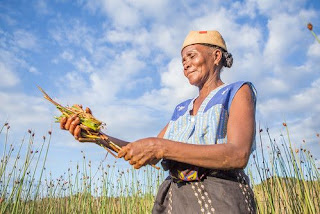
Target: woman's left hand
x,y
142,152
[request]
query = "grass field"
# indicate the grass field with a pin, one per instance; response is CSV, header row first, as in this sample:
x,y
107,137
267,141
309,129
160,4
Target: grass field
x,y
285,180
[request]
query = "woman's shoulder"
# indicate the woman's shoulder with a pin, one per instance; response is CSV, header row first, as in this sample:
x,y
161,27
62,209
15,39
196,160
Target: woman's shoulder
x,y
226,94
245,86
238,84
242,87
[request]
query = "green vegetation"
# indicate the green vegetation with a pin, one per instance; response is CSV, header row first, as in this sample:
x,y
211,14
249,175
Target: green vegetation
x,y
285,180
289,180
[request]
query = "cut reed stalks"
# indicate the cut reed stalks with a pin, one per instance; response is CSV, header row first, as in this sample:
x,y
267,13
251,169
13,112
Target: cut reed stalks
x,y
90,126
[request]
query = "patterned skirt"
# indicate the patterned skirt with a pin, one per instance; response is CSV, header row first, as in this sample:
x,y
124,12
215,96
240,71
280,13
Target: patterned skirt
x,y
219,191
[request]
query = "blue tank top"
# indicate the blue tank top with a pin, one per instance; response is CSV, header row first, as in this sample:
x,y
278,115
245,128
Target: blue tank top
x,y
209,125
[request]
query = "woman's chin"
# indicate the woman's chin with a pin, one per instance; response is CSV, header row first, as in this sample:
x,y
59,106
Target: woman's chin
x,y
193,82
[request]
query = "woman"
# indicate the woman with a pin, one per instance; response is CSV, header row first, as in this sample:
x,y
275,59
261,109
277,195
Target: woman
x,y
208,140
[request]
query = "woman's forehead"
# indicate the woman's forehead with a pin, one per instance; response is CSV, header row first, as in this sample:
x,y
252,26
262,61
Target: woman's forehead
x,y
194,47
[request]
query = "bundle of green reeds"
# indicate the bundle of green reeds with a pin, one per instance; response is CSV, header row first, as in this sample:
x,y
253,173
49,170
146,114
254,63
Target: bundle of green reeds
x,y
90,126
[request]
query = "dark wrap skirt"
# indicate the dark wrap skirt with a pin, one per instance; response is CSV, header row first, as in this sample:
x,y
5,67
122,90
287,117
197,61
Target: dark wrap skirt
x,y
218,191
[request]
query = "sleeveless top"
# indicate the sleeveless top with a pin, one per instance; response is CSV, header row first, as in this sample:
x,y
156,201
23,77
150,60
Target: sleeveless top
x,y
209,125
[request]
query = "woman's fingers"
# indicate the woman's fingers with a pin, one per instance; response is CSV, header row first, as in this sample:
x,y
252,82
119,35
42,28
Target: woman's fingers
x,y
137,154
78,105
73,125
69,121
122,152
128,156
135,159
142,162
63,122
88,110
77,132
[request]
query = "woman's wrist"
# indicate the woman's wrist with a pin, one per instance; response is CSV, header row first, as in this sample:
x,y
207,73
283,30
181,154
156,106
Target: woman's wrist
x,y
160,148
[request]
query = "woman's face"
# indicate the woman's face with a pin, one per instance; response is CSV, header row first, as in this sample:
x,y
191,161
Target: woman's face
x,y
198,63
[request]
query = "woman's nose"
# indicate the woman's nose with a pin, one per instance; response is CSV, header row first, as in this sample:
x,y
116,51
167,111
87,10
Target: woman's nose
x,y
186,65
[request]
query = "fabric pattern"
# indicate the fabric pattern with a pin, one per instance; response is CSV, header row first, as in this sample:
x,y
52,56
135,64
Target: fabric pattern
x,y
212,195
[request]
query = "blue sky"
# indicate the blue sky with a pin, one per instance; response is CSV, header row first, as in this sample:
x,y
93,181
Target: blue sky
x,y
122,59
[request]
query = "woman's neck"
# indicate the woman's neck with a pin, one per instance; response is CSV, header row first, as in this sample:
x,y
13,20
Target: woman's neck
x,y
209,86
203,93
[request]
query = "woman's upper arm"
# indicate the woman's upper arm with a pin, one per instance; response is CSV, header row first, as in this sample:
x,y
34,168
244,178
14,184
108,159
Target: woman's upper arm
x,y
163,131
241,123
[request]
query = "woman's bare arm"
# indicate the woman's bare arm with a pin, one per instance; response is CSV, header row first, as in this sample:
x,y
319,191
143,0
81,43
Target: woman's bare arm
x,y
163,131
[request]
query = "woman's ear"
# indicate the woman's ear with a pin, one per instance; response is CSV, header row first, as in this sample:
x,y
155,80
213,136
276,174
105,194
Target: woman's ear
x,y
217,56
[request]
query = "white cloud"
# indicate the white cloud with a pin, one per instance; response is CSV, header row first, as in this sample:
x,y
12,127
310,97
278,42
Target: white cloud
x,y
301,104
24,112
67,55
133,13
175,89
25,40
274,7
73,32
102,84
314,49
284,37
84,65
14,55
7,19
42,7
129,15
74,80
33,70
8,78
129,121
154,8
246,8
274,85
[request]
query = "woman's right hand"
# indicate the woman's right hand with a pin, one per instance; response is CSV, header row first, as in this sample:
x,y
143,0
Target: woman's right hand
x,y
72,124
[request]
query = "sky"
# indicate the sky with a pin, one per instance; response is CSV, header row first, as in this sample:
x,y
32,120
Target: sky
x,y
122,59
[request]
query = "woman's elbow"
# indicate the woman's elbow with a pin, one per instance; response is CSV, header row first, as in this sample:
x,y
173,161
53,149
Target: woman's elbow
x,y
241,159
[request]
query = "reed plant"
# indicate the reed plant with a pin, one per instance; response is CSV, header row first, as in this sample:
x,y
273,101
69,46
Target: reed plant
x,y
285,179
26,186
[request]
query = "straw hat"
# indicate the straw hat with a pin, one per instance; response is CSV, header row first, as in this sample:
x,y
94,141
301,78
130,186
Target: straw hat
x,y
205,37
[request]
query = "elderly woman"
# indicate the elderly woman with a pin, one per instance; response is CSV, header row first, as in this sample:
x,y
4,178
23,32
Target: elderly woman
x,y
208,140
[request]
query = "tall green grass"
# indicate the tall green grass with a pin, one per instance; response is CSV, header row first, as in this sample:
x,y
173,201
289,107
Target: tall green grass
x,y
26,186
285,180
